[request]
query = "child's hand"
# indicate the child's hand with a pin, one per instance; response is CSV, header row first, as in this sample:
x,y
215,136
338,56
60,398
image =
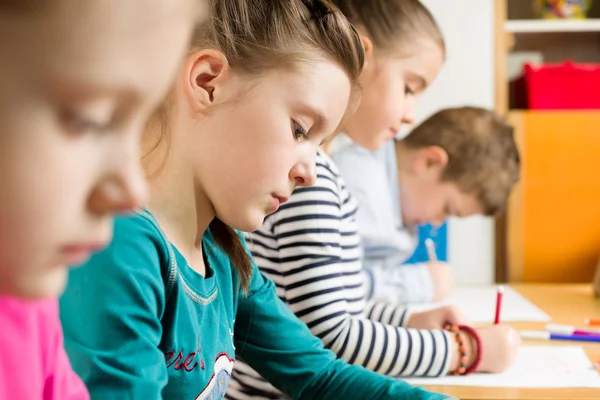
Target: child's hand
x,y
437,318
442,277
500,344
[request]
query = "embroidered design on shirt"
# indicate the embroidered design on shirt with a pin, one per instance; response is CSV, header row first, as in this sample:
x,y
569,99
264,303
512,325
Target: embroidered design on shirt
x,y
217,385
176,360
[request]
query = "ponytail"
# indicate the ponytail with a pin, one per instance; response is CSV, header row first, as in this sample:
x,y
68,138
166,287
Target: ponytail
x,y
231,243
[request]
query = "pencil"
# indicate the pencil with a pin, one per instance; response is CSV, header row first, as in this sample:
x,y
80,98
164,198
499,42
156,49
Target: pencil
x,y
498,304
430,245
592,321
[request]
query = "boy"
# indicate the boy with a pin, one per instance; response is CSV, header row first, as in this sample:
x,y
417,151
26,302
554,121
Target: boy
x,y
459,162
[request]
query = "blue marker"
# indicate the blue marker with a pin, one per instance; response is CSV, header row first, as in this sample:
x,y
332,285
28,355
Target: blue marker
x,y
543,335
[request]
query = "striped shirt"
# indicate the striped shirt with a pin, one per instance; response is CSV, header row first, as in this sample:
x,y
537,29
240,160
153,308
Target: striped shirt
x,y
311,249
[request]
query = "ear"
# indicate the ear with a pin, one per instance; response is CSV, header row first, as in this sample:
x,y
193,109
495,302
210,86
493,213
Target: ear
x,y
205,73
368,46
430,159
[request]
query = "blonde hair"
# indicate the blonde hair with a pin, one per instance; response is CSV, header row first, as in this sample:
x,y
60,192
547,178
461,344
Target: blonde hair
x,y
393,25
257,36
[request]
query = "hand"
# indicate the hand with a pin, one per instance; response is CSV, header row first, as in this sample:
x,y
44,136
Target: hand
x,y
442,277
500,345
437,318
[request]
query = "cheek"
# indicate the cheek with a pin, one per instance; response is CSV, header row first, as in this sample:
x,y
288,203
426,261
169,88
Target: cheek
x,y
271,171
391,91
381,99
30,229
45,190
265,146
254,164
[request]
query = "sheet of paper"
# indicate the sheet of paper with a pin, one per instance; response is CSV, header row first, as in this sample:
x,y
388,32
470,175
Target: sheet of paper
x,y
479,303
535,367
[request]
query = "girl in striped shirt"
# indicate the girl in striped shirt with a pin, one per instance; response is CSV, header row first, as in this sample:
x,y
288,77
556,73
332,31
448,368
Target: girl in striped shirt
x,y
311,249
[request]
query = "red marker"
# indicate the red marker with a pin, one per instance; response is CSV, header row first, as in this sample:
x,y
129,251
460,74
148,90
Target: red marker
x,y
498,304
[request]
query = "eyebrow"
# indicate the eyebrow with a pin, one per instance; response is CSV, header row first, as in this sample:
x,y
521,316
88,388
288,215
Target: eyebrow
x,y
67,87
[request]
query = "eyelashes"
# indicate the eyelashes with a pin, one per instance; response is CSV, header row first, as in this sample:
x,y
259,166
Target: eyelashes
x,y
299,132
80,124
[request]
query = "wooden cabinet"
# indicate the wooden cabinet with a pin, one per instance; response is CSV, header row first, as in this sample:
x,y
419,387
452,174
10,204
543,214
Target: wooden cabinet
x,y
554,214
551,230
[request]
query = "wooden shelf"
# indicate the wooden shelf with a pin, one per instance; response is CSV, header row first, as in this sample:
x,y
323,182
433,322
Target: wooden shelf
x,y
545,26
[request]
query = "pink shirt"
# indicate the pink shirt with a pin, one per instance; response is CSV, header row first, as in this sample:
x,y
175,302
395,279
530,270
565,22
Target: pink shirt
x,y
33,362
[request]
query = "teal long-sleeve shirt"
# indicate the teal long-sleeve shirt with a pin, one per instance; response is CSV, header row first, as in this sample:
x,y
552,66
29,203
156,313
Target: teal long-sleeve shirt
x,y
139,323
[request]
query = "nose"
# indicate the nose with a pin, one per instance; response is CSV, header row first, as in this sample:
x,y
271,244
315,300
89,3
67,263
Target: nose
x,y
122,188
304,172
408,117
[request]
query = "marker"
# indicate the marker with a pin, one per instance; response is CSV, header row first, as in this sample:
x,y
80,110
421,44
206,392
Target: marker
x,y
570,330
430,245
543,335
499,296
592,321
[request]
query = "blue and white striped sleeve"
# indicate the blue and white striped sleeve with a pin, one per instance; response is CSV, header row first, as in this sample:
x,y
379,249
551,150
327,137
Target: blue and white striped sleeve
x,y
311,250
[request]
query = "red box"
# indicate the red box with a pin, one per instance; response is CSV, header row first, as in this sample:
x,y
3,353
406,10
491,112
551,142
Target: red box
x,y
565,86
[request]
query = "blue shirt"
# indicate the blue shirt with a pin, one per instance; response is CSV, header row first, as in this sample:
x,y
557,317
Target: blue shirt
x,y
372,178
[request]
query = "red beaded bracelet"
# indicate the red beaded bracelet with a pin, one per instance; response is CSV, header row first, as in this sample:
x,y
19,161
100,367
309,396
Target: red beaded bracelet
x,y
478,351
462,349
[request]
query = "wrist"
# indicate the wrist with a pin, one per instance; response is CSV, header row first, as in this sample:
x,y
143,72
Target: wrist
x,y
476,350
465,350
455,356
471,346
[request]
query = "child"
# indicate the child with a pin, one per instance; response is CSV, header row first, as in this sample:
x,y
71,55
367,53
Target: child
x,y
74,97
460,162
397,87
160,313
311,250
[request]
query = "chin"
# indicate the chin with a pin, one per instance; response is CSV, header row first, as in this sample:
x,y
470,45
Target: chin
x,y
246,223
253,225
41,284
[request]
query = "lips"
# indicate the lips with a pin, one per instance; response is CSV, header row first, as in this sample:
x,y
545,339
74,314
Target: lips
x,y
281,199
74,254
278,201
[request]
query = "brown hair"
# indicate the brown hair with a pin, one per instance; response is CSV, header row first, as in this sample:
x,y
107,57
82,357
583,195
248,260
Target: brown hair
x,y
483,159
257,36
25,6
392,25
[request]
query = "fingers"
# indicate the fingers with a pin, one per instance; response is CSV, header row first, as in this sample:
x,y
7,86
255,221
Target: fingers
x,y
455,316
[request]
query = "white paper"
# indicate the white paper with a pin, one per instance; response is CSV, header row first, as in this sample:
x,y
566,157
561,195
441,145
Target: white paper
x,y
535,367
479,304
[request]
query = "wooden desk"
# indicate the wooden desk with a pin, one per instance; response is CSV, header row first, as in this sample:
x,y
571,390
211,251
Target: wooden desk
x,y
566,304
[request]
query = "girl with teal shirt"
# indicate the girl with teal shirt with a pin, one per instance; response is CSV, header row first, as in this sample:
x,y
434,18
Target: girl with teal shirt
x,y
164,311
